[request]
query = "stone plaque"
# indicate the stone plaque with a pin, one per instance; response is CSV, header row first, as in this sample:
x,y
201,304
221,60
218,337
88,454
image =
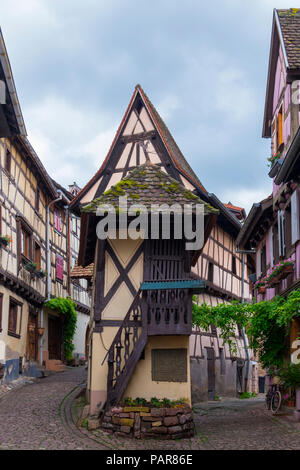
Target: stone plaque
x,y
169,365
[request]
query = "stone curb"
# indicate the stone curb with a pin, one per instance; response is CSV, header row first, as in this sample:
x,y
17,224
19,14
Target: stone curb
x,y
67,411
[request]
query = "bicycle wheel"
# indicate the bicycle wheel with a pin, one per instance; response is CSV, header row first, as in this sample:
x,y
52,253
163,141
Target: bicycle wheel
x,y
276,402
268,400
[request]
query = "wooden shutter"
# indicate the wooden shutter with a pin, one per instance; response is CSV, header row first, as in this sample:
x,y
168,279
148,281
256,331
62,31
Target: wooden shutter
x,y
271,249
281,238
258,263
295,217
59,267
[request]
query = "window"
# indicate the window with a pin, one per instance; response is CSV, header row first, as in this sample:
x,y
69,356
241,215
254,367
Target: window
x,y
210,272
37,199
7,163
287,229
59,261
25,243
233,265
57,220
1,306
295,217
279,130
37,255
14,318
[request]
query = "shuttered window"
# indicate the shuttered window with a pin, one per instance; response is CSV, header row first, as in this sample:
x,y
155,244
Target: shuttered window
x,y
14,318
295,217
59,267
281,234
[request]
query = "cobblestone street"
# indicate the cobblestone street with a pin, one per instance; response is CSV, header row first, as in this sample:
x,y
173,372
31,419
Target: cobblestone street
x,y
38,415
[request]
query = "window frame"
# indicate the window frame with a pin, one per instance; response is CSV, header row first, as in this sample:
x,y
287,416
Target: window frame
x,y
18,319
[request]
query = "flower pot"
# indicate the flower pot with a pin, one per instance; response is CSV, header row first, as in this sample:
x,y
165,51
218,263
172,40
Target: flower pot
x,y
285,271
3,242
290,403
274,281
262,290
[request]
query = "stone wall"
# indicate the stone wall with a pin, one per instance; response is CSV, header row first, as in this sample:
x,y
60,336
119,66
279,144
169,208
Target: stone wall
x,y
141,422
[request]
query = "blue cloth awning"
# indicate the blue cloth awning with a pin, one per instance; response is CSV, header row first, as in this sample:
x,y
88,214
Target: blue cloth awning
x,y
180,284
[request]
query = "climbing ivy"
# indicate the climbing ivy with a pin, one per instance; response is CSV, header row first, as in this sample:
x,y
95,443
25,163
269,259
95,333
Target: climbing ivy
x,y
66,307
267,324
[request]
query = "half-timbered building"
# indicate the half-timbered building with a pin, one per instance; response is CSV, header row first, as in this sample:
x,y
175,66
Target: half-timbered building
x,y
142,135
36,243
272,226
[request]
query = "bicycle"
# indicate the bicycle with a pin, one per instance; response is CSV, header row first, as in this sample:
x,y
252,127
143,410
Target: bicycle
x,y
274,398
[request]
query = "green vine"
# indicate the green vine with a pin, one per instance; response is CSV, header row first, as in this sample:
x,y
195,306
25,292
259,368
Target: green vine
x,y
66,307
267,324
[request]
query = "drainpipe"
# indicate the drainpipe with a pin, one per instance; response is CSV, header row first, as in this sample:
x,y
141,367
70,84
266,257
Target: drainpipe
x,y
48,266
245,339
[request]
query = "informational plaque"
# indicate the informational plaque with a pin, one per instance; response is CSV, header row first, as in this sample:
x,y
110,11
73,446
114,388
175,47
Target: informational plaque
x,y
169,365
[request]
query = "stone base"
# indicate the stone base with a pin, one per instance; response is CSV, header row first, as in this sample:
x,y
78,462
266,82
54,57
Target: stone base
x,y
147,422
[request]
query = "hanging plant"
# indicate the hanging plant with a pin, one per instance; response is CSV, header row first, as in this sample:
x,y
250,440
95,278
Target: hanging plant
x,y
30,267
66,307
267,324
273,159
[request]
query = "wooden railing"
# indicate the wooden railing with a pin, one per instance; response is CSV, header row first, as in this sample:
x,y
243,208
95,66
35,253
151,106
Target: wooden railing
x,y
126,350
169,312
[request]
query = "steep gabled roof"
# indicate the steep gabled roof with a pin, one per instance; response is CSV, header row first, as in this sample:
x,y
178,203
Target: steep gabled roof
x,y
289,21
11,119
147,184
285,33
169,142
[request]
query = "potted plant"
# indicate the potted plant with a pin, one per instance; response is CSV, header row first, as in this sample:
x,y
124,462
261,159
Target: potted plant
x,y
5,240
41,273
260,286
273,159
30,267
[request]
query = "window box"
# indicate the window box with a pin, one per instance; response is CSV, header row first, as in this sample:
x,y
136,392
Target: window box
x,y
4,240
285,271
30,267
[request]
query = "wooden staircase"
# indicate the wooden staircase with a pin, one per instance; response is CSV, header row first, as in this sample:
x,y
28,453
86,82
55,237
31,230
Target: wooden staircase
x,y
125,351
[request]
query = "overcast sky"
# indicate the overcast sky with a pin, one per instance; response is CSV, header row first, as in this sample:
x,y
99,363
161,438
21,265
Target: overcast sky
x,y
202,64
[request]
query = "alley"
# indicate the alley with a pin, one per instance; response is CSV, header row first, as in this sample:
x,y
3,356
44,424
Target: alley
x,y
34,417
31,415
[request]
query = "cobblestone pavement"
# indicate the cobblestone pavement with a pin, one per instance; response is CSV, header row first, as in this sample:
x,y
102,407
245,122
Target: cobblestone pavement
x,y
245,425
39,415
31,415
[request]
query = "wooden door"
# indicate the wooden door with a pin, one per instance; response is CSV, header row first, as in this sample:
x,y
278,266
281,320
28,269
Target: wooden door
x,y
211,378
54,337
239,375
32,336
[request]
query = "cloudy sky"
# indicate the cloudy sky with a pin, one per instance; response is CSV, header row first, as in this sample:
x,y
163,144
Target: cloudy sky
x,y
203,65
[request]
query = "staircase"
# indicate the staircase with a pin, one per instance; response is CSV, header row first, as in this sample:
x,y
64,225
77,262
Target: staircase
x,y
55,365
125,351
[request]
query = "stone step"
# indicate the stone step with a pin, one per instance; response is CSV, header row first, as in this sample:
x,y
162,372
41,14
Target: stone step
x,y
55,365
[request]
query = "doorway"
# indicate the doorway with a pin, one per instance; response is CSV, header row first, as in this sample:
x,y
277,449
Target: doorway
x,y
211,375
54,337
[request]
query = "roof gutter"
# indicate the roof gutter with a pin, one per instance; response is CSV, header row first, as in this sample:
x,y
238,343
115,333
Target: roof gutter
x,y
245,228
226,212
